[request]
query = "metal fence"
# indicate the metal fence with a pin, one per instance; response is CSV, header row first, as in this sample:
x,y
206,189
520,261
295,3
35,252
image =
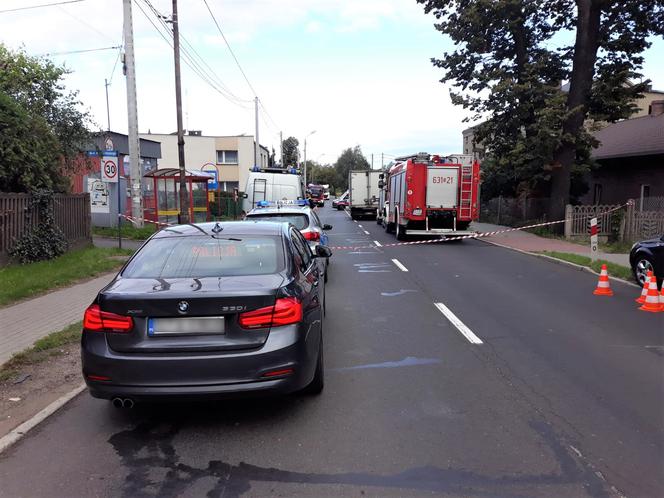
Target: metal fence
x,y
513,211
18,215
651,204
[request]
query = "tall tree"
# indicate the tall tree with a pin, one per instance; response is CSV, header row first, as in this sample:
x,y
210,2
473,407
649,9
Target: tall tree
x,y
350,159
34,95
610,38
289,152
505,68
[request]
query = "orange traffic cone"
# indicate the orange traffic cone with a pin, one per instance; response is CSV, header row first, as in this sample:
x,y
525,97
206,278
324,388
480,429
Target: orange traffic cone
x,y
652,303
642,299
603,287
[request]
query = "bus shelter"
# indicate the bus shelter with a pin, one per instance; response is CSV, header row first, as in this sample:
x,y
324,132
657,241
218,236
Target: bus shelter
x,y
161,198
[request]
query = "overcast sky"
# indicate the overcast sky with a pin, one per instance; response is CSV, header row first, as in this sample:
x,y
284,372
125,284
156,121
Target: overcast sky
x,y
356,71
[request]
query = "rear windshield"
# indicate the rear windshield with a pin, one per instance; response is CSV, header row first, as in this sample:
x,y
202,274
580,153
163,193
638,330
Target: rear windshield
x,y
199,257
316,190
299,221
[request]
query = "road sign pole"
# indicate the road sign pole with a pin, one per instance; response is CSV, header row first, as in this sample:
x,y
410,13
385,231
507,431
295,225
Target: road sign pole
x,y
119,215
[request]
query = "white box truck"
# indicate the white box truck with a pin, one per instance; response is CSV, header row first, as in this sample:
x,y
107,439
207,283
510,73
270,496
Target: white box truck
x,y
364,193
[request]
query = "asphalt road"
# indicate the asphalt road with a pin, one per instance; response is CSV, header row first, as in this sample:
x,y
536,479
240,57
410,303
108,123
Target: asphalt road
x,y
564,396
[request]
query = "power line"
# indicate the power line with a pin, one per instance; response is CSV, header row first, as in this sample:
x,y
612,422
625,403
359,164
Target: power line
x,y
38,6
189,47
79,51
229,47
110,79
215,83
85,23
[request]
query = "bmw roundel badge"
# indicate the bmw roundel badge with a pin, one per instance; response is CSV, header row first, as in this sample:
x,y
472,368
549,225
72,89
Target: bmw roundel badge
x,y
183,306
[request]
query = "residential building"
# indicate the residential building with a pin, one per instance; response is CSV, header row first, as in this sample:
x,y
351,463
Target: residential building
x,y
104,197
470,146
631,155
232,157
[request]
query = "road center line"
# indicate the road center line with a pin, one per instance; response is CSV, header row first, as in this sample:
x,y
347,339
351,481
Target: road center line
x,y
399,265
359,226
366,232
467,333
378,244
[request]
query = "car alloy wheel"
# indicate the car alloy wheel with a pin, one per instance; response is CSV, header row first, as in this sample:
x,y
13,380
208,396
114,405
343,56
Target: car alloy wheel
x,y
641,269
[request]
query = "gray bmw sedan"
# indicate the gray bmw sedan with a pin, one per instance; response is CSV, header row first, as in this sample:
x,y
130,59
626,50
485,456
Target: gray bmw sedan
x,y
209,310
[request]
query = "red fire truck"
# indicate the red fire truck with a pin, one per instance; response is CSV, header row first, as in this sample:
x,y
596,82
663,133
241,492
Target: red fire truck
x,y
431,195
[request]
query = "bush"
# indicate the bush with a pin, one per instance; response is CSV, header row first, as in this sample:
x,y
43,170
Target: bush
x,y
43,241
38,244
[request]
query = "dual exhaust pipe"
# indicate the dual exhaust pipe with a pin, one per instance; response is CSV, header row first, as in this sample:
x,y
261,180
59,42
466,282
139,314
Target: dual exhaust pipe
x,y
123,403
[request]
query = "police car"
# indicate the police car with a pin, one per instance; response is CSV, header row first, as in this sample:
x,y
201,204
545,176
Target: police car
x,y
300,215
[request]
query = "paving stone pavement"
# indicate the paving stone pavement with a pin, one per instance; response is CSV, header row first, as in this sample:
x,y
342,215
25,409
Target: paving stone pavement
x,y
23,323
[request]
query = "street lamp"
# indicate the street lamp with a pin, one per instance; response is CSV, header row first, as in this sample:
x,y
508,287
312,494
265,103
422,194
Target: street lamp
x,y
305,157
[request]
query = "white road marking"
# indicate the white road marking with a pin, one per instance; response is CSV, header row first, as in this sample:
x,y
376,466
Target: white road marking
x,y
467,333
359,226
399,265
366,232
378,244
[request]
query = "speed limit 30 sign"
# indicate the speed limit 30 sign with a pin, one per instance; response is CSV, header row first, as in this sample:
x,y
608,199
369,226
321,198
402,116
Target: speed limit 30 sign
x,y
109,169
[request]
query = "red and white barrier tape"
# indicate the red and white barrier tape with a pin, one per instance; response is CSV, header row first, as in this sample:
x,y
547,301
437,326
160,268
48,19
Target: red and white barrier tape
x,y
478,235
132,219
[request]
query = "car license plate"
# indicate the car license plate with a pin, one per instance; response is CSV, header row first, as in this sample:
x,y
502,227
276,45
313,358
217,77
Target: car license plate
x,y
203,325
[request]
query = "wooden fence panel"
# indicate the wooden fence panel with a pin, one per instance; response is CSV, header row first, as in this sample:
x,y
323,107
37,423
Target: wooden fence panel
x,y
17,215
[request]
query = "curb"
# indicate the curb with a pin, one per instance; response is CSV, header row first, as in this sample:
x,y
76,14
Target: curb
x,y
18,432
561,262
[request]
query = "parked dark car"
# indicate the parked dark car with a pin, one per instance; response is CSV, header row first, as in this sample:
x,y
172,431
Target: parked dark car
x,y
301,217
648,255
209,310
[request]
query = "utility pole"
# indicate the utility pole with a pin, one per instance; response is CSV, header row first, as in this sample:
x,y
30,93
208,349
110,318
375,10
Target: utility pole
x,y
305,162
184,195
257,146
281,148
382,162
108,110
132,115
372,160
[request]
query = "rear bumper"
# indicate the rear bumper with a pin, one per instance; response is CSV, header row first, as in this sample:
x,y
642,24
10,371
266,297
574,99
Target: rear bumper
x,y
212,375
448,232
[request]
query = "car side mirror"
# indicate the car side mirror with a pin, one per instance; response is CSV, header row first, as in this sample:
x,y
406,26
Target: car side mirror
x,y
323,251
327,227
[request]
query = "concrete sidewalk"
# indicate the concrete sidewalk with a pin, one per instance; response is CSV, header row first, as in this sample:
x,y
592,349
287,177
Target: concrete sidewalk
x,y
530,242
23,323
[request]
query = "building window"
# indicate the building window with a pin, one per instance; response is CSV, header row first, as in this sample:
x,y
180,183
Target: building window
x,y
227,157
597,193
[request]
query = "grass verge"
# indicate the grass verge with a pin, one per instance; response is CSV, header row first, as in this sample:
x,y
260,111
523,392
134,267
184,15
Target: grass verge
x,y
43,349
127,230
614,269
21,281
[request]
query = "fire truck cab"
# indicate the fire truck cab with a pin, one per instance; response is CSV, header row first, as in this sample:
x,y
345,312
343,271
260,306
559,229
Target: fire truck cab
x,y
431,195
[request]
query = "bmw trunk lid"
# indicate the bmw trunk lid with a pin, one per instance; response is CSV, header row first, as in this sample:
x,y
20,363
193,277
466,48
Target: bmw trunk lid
x,y
188,314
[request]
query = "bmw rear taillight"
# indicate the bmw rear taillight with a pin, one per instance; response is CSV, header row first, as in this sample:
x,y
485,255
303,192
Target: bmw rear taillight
x,y
285,311
311,235
96,320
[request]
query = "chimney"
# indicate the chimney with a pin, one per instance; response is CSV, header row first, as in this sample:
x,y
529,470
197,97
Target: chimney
x,y
656,108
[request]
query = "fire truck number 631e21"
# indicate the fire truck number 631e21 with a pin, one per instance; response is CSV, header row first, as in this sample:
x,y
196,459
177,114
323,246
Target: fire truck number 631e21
x,y
443,179
428,194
